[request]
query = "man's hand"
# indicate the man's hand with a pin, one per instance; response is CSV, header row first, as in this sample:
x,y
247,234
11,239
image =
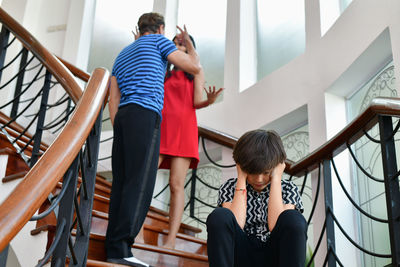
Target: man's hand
x,y
278,171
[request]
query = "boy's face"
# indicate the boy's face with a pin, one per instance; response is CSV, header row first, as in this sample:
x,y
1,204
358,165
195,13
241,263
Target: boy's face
x,y
259,181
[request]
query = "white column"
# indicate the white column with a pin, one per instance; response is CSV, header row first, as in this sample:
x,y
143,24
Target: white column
x,y
312,22
169,9
395,40
248,44
232,49
317,135
78,34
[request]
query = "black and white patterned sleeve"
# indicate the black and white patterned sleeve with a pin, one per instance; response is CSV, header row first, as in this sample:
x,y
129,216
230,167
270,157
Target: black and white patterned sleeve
x,y
291,195
226,191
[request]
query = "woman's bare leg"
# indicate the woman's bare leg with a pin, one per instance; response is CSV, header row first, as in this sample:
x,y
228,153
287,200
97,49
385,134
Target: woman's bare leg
x,y
179,168
140,236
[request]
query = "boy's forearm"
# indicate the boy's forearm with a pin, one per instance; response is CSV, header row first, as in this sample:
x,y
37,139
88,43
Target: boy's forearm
x,y
275,203
239,203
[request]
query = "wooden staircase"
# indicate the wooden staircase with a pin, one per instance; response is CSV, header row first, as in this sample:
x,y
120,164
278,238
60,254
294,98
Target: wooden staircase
x,y
189,251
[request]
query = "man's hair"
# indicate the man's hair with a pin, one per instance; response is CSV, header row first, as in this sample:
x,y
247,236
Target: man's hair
x,y
150,22
259,151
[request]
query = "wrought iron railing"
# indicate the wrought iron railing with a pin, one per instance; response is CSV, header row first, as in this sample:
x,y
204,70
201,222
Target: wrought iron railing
x,y
321,168
34,105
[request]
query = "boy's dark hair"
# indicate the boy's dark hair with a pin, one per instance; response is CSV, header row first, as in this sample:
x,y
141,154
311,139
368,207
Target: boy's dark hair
x,y
259,151
150,22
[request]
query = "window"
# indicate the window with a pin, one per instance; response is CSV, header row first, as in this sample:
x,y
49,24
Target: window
x,y
280,33
206,22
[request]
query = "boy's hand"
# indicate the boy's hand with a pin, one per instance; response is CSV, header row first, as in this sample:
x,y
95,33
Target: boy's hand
x,y
242,176
278,171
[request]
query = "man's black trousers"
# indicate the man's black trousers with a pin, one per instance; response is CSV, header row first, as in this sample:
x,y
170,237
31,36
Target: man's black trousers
x,y
135,154
228,245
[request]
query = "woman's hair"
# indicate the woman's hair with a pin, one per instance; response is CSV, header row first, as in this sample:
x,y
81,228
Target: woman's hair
x,y
188,75
259,151
150,22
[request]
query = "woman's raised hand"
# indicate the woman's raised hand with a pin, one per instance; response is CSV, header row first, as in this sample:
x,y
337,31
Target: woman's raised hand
x,y
136,33
183,36
212,94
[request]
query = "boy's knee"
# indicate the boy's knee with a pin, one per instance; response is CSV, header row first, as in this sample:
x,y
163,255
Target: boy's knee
x,y
293,221
219,218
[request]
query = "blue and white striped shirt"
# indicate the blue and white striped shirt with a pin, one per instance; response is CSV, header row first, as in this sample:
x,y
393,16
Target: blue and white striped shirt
x,y
140,70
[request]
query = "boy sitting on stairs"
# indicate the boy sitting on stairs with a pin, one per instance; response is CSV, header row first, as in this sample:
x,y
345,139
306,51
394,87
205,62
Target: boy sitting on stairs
x,y
258,222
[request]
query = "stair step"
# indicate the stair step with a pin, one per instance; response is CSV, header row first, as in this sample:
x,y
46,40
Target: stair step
x,y
153,235
153,255
100,221
95,263
156,236
154,217
15,163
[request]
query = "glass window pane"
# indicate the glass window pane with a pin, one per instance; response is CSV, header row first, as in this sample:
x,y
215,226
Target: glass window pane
x,y
206,22
331,11
112,29
280,33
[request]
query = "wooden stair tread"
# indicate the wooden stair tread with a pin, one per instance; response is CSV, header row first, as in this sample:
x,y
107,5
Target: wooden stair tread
x,y
96,263
104,216
14,176
157,249
16,166
153,213
178,235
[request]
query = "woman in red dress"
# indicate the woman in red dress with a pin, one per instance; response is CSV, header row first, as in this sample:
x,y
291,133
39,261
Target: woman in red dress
x,y
183,94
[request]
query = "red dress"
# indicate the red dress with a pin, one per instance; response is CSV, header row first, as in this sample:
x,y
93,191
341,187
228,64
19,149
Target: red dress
x,y
179,134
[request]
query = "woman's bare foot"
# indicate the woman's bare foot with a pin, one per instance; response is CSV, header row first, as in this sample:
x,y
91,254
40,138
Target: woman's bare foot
x,y
140,236
169,243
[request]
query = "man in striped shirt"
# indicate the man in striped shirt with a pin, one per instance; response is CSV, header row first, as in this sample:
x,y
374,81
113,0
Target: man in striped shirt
x,y
136,101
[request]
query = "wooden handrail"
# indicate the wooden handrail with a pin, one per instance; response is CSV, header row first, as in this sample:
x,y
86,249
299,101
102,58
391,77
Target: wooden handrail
x,y
57,69
384,106
27,197
217,137
351,133
77,72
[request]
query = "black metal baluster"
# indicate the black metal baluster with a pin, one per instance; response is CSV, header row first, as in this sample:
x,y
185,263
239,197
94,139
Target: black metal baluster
x,y
3,257
193,192
65,213
391,185
330,230
40,122
86,203
20,81
4,36
69,107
